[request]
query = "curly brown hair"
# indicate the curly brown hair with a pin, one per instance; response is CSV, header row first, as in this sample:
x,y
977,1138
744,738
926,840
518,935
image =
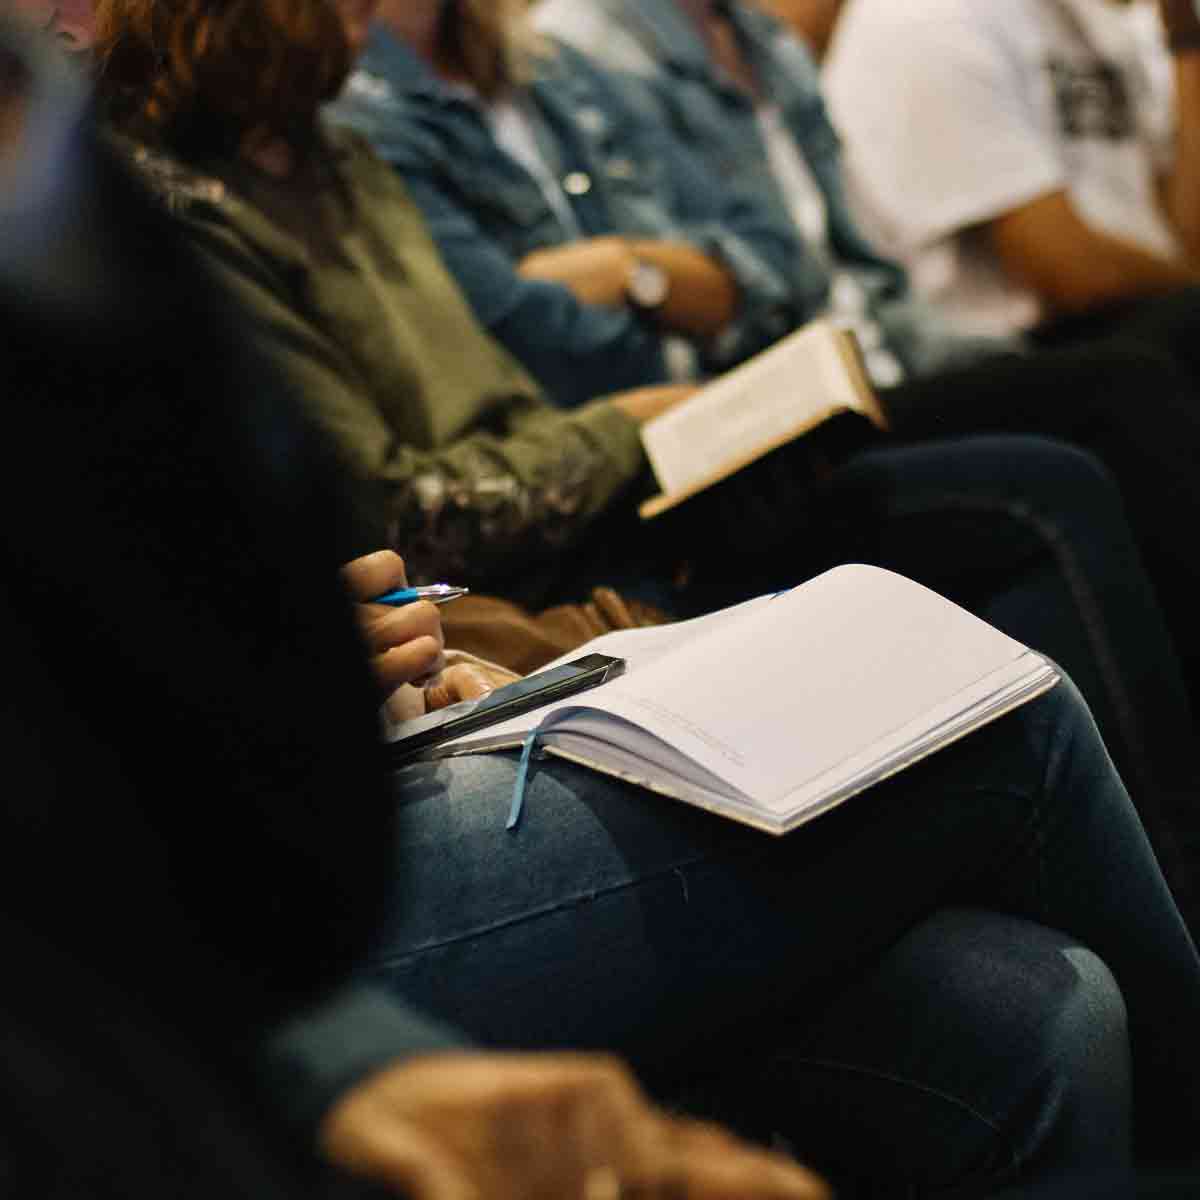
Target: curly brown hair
x,y
199,75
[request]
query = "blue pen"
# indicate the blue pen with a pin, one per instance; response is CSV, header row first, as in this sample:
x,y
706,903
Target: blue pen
x,y
436,593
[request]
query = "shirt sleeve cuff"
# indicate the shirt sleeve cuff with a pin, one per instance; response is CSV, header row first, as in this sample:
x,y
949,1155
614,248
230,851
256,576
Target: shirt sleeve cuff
x,y
618,433
765,304
311,1060
965,208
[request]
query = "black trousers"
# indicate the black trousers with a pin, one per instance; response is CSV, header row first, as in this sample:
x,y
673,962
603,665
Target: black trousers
x,y
1124,384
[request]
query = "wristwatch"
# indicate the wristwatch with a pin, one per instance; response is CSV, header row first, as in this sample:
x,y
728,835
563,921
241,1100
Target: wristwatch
x,y
647,285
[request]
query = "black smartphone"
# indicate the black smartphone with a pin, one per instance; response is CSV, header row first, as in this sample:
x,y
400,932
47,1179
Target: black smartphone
x,y
412,737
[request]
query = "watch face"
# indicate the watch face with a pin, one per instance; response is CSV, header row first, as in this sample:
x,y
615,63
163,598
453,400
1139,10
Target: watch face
x,y
648,285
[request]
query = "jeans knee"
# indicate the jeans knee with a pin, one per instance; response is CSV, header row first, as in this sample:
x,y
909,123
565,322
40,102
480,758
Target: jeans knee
x,y
1091,1024
1060,1015
1079,1112
1059,471
982,1049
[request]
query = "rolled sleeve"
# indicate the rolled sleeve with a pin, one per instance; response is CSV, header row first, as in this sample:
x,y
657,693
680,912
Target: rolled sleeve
x,y
608,427
317,1056
766,308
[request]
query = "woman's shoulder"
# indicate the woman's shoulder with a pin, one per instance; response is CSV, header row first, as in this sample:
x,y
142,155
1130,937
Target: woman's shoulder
x,y
208,211
180,187
411,129
361,165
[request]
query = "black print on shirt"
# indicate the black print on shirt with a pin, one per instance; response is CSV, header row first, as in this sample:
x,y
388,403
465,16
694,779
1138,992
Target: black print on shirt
x,y
1093,100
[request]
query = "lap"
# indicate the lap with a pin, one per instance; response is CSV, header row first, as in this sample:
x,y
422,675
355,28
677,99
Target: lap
x,y
1033,535
617,919
949,1059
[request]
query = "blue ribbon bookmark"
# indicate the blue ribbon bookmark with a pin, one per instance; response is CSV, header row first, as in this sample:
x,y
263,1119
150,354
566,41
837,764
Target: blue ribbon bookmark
x,y
518,799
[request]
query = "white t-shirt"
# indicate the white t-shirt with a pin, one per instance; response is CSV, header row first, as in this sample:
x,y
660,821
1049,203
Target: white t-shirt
x,y
957,111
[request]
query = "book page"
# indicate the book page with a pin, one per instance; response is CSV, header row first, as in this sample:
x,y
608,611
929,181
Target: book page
x,y
765,402
812,679
802,684
638,647
641,646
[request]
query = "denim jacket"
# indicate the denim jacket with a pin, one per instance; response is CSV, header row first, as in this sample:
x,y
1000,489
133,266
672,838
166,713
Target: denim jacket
x,y
487,212
655,41
655,45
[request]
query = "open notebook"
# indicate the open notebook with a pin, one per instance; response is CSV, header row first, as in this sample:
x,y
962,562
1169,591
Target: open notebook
x,y
777,710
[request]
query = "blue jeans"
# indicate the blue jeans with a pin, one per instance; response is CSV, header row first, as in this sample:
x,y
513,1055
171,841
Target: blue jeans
x,y
945,981
1029,533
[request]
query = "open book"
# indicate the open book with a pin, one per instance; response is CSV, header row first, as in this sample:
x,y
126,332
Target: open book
x,y
787,390
777,710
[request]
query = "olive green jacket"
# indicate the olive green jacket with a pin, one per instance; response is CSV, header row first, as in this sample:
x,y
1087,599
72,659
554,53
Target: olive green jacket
x,y
455,458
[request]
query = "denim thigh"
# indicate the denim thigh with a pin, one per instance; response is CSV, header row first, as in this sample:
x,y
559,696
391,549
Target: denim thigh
x,y
615,919
981,1047
1031,535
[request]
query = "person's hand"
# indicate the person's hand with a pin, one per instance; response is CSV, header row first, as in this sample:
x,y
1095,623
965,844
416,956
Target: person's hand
x,y
465,681
459,681
595,269
644,404
541,1127
405,643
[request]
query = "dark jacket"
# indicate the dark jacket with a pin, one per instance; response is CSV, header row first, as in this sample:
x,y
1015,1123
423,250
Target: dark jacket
x,y
195,808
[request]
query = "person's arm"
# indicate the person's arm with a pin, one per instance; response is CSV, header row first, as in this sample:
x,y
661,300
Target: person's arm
x,y
1181,187
1074,266
507,1127
308,1063
722,221
526,487
701,294
575,348
392,1097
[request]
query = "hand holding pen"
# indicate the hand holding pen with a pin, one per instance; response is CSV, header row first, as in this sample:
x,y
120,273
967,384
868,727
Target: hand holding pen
x,y
404,639
435,593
